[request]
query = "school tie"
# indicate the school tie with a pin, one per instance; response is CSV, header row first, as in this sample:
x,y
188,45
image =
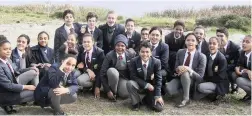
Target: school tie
x,y
88,60
91,32
120,57
10,68
65,80
145,71
187,62
223,51
71,30
152,48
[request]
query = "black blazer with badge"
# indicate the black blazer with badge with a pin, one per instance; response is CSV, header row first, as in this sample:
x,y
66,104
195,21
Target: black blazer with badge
x,y
242,61
109,62
162,53
231,55
96,63
134,41
154,67
219,69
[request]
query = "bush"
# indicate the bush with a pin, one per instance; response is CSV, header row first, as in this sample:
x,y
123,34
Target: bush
x,y
57,15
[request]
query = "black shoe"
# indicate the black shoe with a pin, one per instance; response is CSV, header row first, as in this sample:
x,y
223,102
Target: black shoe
x,y
183,103
9,109
59,113
247,97
136,107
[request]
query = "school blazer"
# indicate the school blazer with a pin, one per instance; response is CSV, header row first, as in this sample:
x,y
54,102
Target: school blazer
x,y
242,61
61,36
162,53
51,80
97,35
39,57
198,64
109,62
231,55
219,77
154,67
9,88
134,41
96,63
205,48
119,29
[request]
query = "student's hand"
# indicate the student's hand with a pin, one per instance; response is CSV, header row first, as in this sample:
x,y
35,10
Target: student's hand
x,y
249,74
91,74
47,64
60,90
110,95
159,100
150,87
29,87
97,92
80,65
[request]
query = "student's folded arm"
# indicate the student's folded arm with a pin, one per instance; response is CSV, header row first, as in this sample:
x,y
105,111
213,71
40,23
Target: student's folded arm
x,y
201,67
158,78
103,72
7,84
134,77
54,75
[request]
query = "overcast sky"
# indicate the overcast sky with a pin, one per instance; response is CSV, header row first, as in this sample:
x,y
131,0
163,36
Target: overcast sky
x,y
135,7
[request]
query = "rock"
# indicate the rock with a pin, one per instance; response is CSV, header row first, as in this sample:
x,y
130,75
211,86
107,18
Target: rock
x,y
17,21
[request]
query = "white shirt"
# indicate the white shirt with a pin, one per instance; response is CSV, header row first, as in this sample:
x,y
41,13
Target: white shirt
x,y
89,30
225,47
19,53
123,55
191,59
247,55
214,55
89,54
146,63
68,28
199,47
155,46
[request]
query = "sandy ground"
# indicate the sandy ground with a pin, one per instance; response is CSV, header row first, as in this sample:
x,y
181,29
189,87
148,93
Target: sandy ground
x,y
87,105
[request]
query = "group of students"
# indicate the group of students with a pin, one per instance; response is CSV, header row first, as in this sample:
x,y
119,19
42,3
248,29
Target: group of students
x,y
125,63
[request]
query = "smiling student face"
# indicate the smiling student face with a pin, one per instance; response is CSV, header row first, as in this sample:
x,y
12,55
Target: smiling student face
x,y
43,39
191,42
5,50
69,19
247,44
178,31
145,53
70,65
111,19
120,48
22,43
92,22
88,43
155,37
71,40
200,34
130,27
213,45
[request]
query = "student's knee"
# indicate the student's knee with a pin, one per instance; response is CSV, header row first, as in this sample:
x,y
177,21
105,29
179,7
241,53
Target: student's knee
x,y
33,73
73,98
112,73
239,81
201,88
123,94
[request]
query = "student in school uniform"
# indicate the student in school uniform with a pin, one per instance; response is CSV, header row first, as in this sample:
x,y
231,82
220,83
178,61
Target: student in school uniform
x,y
21,57
42,55
215,80
110,30
69,46
92,29
243,68
160,50
89,64
190,68
61,33
175,40
146,79
230,51
133,36
58,86
13,88
115,69
145,34
202,47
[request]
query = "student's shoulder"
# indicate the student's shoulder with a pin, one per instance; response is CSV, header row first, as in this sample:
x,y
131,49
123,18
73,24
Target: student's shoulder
x,y
169,35
234,45
155,60
35,48
103,26
60,28
98,50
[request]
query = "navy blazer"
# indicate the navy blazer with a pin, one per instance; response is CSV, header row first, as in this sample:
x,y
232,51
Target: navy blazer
x,y
154,67
38,57
174,47
242,61
51,80
97,35
205,48
231,55
9,88
219,69
162,53
109,62
134,41
119,29
96,63
61,36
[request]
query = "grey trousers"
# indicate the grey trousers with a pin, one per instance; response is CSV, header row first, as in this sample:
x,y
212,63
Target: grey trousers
x,y
182,83
24,78
62,99
84,81
136,94
207,87
245,84
117,85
